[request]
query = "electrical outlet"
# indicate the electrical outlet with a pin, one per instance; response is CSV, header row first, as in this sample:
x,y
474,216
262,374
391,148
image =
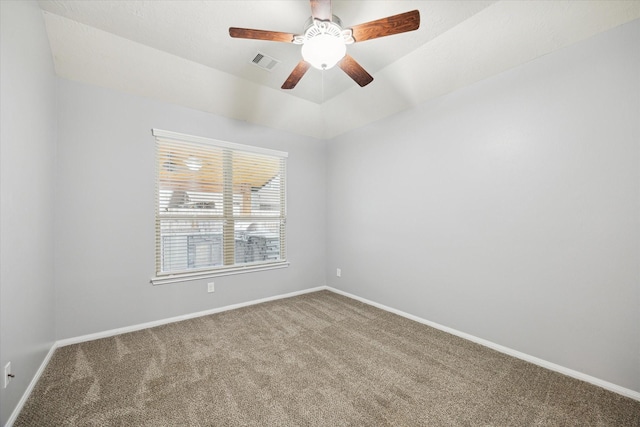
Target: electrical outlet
x,y
338,272
8,376
210,287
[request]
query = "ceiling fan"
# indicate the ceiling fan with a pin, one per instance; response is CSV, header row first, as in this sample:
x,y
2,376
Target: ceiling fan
x,y
324,40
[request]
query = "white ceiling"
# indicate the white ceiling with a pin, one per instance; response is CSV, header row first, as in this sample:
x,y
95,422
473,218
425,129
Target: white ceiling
x,y
180,52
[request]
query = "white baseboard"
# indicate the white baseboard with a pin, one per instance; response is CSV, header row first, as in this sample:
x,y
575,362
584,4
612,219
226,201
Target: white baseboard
x,y
540,362
32,384
132,328
140,326
502,349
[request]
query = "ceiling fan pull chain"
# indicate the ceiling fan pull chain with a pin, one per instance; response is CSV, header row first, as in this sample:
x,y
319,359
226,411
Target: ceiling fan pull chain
x,y
324,41
323,71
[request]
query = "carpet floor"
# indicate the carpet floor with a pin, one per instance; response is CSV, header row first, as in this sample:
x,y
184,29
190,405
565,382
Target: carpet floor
x,y
318,359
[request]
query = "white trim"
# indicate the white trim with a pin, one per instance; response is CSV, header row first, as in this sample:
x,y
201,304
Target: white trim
x,y
32,384
140,326
238,269
159,133
502,349
540,362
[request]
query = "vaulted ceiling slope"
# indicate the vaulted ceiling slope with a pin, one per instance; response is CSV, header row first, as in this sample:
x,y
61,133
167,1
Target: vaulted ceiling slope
x,y
180,52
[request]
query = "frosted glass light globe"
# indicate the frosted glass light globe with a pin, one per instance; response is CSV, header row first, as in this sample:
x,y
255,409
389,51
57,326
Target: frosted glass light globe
x,y
324,51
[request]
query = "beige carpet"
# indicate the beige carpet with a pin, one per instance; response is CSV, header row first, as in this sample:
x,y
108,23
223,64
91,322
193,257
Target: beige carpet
x,y
319,359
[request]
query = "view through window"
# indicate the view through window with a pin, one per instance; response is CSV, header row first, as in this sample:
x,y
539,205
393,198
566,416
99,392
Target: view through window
x,y
219,205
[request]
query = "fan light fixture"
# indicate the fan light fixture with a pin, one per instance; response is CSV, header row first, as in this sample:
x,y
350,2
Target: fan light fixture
x,y
324,40
324,51
324,43
193,163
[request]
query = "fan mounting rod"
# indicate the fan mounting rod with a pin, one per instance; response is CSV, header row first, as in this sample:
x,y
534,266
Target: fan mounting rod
x,y
324,40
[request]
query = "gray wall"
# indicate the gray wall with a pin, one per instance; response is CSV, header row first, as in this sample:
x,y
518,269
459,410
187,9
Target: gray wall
x,y
104,230
508,210
27,155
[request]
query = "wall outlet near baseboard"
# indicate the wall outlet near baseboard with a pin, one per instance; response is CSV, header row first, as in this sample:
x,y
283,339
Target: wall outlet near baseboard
x,y
338,272
8,376
210,287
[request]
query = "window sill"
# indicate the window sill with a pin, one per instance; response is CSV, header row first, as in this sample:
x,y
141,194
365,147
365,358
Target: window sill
x,y
184,277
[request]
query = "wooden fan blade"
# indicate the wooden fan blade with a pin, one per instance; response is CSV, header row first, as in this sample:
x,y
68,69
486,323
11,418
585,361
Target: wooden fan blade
x,y
321,9
396,24
247,33
355,71
296,75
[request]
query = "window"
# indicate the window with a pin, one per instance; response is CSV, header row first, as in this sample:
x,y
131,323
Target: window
x,y
220,208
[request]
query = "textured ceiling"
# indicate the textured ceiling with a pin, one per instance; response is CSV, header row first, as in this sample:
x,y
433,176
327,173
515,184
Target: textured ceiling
x,y
180,52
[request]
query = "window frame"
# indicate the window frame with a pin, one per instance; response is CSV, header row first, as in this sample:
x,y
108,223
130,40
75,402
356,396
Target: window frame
x,y
222,270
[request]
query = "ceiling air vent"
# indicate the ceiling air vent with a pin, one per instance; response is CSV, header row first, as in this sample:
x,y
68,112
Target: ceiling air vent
x,y
264,61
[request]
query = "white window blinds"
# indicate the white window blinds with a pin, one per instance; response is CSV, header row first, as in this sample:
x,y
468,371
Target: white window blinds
x,y
220,207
